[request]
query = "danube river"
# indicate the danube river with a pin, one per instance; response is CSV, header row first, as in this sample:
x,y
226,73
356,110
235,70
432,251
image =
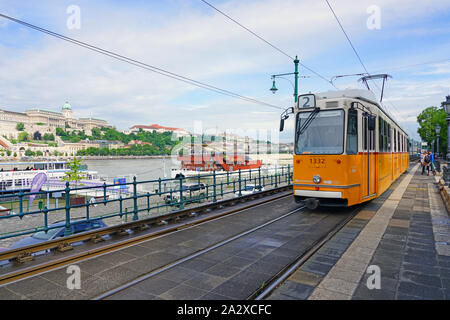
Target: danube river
x,y
143,169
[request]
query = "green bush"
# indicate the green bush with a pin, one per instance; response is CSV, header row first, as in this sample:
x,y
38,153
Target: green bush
x,y
29,153
23,136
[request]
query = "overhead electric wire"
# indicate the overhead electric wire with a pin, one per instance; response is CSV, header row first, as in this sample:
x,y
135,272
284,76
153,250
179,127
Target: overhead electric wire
x,y
267,42
348,38
354,49
413,65
141,64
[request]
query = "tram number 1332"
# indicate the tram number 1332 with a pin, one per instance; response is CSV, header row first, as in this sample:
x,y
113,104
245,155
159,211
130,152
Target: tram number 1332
x,y
317,162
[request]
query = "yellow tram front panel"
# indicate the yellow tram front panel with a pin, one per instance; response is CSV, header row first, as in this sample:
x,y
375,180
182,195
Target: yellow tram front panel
x,y
339,176
355,178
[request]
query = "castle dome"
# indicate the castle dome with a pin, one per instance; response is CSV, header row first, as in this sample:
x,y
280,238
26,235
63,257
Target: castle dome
x,y
67,106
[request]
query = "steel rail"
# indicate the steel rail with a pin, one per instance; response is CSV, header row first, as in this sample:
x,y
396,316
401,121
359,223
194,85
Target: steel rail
x,y
282,275
51,265
192,256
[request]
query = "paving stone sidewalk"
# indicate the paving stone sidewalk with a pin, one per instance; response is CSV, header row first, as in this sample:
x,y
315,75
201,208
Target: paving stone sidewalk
x,y
405,232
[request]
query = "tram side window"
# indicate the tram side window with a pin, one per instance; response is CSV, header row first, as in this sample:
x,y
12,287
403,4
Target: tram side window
x,y
372,139
364,133
395,140
386,143
389,137
398,139
380,134
352,132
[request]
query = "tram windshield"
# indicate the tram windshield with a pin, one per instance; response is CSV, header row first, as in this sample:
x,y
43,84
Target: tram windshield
x,y
324,135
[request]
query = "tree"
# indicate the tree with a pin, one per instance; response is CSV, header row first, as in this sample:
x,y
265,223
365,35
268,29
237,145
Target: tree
x,y
60,132
74,175
49,137
29,153
20,126
23,136
428,119
37,136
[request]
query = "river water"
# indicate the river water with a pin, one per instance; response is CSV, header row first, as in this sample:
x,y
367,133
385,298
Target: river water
x,y
143,169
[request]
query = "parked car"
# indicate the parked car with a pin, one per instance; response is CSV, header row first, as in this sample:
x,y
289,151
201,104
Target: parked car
x,y
192,192
58,232
249,189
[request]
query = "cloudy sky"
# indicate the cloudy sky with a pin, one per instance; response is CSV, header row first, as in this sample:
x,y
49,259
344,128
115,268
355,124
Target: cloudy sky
x,y
189,38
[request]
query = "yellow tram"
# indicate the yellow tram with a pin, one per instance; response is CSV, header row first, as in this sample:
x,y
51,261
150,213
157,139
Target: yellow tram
x,y
347,149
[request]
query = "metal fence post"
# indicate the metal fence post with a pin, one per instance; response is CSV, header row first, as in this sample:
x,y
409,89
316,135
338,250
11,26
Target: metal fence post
x,y
289,174
276,178
135,211
181,193
259,176
46,219
87,210
240,180
104,194
67,232
215,189
21,202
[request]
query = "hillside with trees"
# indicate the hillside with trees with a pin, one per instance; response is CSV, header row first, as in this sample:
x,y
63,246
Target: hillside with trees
x,y
157,143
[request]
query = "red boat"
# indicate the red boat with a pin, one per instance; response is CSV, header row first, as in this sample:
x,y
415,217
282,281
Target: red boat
x,y
204,164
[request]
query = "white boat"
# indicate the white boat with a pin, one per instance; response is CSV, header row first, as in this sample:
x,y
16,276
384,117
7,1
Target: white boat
x,y
18,176
265,171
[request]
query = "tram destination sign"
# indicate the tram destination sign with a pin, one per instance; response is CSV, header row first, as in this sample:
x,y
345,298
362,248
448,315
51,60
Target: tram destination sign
x,y
306,101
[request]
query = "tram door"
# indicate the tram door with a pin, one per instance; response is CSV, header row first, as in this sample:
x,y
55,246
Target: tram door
x,y
369,159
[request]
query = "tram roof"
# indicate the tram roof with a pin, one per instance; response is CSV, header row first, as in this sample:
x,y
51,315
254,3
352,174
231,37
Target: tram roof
x,y
360,94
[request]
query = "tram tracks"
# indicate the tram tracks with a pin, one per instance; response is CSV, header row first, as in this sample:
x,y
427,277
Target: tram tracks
x,y
260,292
280,277
31,271
193,256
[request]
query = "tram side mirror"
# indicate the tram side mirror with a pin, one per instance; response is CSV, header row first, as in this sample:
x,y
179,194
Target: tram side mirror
x,y
371,123
281,124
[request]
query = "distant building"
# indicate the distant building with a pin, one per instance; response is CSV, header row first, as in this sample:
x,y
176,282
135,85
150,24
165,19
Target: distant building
x,y
46,121
139,142
159,129
109,144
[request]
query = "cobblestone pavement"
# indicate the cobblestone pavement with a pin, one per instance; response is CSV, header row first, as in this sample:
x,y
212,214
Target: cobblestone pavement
x,y
405,232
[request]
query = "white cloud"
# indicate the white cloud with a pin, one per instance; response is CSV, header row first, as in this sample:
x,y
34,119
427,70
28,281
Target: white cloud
x,y
206,47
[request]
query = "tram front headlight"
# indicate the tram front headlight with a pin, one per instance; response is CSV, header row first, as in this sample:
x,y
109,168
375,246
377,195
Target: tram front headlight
x,y
317,178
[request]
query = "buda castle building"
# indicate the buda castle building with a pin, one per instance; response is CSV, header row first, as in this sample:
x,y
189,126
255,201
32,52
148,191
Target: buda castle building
x,y
46,121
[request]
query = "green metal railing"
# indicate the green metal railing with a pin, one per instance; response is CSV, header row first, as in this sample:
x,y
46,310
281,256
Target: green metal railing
x,y
167,194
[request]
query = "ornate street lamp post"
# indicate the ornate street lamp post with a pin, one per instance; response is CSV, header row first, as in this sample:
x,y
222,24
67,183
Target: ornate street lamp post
x,y
438,130
296,76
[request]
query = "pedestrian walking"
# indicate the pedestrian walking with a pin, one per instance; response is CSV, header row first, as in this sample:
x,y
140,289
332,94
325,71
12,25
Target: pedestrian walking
x,y
432,165
425,162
